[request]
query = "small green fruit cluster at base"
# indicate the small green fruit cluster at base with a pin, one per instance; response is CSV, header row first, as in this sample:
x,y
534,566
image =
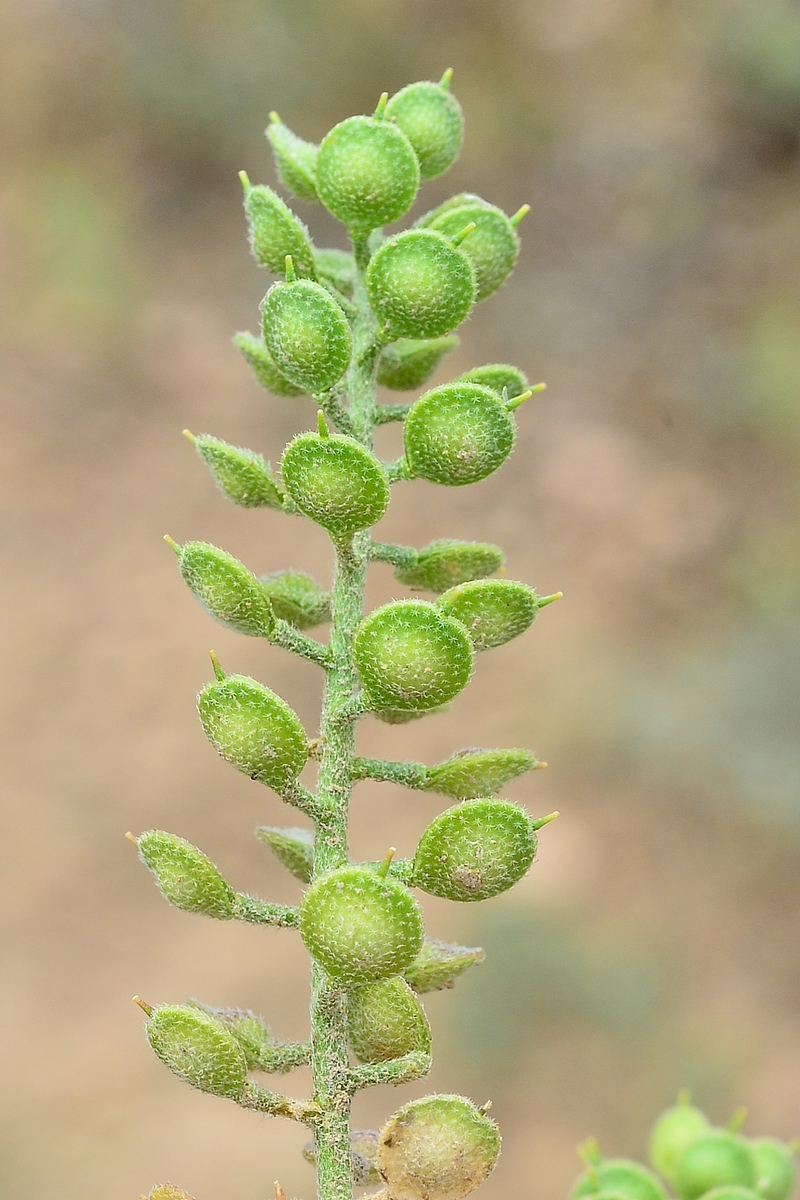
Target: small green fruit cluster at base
x,y
439,964
198,1048
363,1147
473,773
295,159
620,1176
774,1167
292,847
431,118
263,366
186,877
241,475
420,284
385,1020
260,1049
497,376
306,333
226,589
275,232
458,434
409,362
493,246
336,482
367,173
673,1133
719,1158
359,926
437,1148
475,850
297,598
447,562
493,611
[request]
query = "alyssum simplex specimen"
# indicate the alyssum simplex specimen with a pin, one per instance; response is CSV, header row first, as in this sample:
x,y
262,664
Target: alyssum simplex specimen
x,y
335,325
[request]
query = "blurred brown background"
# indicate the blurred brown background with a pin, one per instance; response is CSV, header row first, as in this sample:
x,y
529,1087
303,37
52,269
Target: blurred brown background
x,y
655,944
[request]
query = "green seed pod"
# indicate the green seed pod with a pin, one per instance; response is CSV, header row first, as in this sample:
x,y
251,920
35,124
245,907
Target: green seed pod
x,y
475,850
472,773
715,1160
439,964
410,658
336,482
732,1192
497,376
198,1049
185,876
396,716
254,729
447,562
295,159
437,1148
363,1147
431,118
241,475
774,1165
458,434
420,284
275,232
226,589
293,847
360,926
673,1133
297,598
457,201
262,1052
367,173
493,611
386,1020
167,1191
338,268
263,367
306,333
492,247
620,1176
410,362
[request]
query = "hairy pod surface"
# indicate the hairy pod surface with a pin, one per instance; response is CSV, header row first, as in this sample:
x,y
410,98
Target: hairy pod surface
x,y
398,716
241,475
295,159
469,774
336,482
431,118
338,268
306,333
254,730
672,1134
718,1159
297,598
497,376
263,366
622,1176
437,1148
167,1191
410,658
185,876
367,173
294,848
475,850
410,362
775,1171
363,1146
492,247
447,562
360,926
226,589
275,232
458,434
420,284
386,1020
198,1049
261,1051
493,611
458,201
439,964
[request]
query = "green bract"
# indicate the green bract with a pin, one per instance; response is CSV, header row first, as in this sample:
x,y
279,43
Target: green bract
x,y
410,362
437,1148
774,1167
359,926
410,658
472,773
448,562
458,434
263,367
493,611
198,1048
673,1133
420,284
293,847
254,729
385,1020
242,475
439,964
431,118
275,232
716,1160
492,247
306,333
475,850
497,376
297,598
367,173
295,159
226,589
620,1176
186,877
336,482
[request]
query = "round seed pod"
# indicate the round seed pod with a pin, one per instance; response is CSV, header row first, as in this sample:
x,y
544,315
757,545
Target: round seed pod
x,y
226,589
475,850
673,1133
493,611
439,964
386,1020
447,562
336,482
472,773
254,730
338,268
292,847
622,1176
297,598
420,284
295,159
410,658
497,376
360,926
185,876
457,201
241,475
263,366
431,118
437,1148
198,1049
715,1160
367,173
458,434
492,247
775,1170
275,232
410,362
306,333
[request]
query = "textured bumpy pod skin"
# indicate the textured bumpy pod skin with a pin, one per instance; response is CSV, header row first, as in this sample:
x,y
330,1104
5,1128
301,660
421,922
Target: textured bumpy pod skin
x,y
621,1176
420,284
338,268
275,232
431,118
241,475
410,658
263,366
776,1175
718,1159
167,1191
367,173
673,1133
472,773
492,247
261,1051
297,598
198,1048
336,482
410,362
254,729
475,850
292,847
363,1147
295,159
458,201
437,1148
359,926
447,562
439,964
185,876
493,611
458,434
497,376
386,1020
306,333
226,589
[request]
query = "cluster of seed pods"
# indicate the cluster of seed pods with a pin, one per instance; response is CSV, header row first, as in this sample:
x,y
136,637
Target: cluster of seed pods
x,y
334,325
